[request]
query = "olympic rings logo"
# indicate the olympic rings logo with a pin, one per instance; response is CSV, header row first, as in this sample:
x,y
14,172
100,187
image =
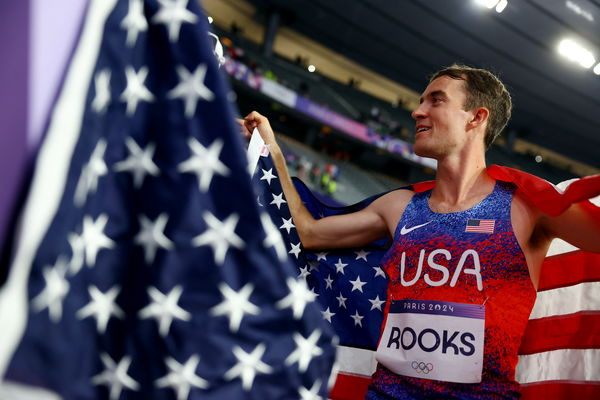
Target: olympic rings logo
x,y
421,367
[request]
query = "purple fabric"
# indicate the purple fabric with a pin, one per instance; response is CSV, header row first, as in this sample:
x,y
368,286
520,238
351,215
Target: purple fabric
x,y
14,47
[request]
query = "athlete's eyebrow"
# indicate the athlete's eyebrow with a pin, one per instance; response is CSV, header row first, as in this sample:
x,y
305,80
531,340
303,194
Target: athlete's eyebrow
x,y
435,93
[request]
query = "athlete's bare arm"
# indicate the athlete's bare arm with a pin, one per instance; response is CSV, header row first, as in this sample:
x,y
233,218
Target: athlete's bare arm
x,y
535,230
376,221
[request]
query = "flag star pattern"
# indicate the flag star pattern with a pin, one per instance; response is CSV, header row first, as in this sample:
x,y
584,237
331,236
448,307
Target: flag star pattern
x,y
151,236
134,22
144,269
191,88
91,173
248,366
101,306
136,91
312,393
139,162
306,349
204,162
336,278
115,376
57,287
102,99
235,304
182,377
164,308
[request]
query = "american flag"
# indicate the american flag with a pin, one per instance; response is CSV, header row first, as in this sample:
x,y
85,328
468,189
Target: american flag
x,y
559,357
143,267
480,225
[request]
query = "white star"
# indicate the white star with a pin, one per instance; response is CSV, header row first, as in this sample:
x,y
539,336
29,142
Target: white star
x,y
151,236
341,300
379,272
173,13
328,282
102,306
219,235
182,377
362,254
273,238
94,238
339,266
55,291
306,349
102,88
78,250
295,249
134,22
313,265
298,297
139,162
322,256
135,90
115,376
204,162
303,272
327,314
191,88
164,308
376,303
235,304
357,284
90,173
357,319
268,175
248,366
287,224
278,200
311,394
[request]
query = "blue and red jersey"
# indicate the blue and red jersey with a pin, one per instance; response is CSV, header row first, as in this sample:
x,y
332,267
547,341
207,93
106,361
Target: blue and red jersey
x,y
468,257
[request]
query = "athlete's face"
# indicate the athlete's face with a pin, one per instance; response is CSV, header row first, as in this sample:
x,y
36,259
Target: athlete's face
x,y
441,121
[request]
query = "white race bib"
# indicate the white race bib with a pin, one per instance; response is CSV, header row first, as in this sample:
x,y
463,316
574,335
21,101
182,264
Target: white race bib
x,y
434,340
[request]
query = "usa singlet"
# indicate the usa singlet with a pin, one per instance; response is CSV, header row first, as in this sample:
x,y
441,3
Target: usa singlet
x,y
459,297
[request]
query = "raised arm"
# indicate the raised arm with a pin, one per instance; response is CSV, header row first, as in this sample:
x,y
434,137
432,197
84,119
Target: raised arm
x,y
341,231
579,225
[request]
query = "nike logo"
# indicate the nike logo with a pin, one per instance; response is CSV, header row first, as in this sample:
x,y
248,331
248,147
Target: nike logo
x,y
406,230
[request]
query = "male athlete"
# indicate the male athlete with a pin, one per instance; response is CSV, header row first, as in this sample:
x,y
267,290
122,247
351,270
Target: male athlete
x,y
466,255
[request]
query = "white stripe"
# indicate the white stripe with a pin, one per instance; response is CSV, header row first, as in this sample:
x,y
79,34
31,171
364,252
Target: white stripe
x,y
355,361
16,391
565,364
567,300
50,178
559,246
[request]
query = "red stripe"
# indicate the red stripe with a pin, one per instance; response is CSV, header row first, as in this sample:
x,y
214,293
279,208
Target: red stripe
x,y
569,269
579,330
350,387
566,390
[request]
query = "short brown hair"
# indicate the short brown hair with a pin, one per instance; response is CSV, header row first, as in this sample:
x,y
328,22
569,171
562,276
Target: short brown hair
x,y
484,89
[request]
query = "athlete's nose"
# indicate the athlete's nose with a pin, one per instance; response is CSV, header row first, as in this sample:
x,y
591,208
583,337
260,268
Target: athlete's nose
x,y
418,113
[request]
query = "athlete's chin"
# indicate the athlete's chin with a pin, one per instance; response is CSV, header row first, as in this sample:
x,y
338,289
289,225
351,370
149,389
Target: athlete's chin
x,y
423,151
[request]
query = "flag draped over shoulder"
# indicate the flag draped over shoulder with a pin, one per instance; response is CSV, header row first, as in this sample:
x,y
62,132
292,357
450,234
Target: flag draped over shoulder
x,y
560,354
143,267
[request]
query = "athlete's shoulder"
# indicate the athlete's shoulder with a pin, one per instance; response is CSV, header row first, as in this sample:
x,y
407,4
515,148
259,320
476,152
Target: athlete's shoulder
x,y
402,195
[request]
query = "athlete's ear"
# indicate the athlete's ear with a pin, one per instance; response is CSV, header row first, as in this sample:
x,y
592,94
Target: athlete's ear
x,y
480,116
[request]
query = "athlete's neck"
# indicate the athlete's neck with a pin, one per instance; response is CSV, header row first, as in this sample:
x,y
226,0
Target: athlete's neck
x,y
461,182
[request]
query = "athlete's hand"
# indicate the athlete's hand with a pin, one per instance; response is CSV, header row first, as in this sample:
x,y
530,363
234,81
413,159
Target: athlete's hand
x,y
256,120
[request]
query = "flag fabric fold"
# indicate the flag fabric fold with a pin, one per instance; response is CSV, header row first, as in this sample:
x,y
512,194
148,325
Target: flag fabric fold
x,y
143,267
